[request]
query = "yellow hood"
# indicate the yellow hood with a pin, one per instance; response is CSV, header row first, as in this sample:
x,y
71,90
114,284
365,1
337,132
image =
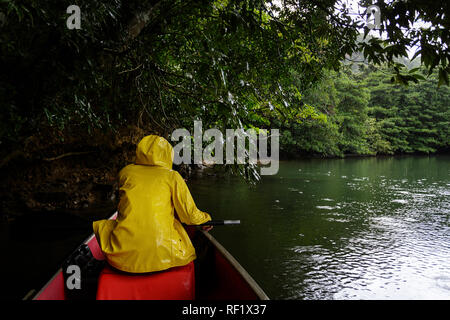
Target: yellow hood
x,y
154,151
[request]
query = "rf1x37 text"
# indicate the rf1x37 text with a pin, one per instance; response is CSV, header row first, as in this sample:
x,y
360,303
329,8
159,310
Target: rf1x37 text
x,y
230,309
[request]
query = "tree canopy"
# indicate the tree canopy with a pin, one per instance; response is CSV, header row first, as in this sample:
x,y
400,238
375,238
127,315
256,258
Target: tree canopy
x,y
163,63
368,115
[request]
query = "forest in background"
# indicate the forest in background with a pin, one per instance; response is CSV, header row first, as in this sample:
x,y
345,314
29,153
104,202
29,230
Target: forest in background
x,y
76,101
366,114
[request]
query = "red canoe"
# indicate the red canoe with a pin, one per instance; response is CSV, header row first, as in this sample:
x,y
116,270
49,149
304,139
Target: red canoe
x,y
216,275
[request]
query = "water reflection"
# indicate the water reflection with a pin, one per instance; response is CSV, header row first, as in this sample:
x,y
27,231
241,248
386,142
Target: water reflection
x,y
341,229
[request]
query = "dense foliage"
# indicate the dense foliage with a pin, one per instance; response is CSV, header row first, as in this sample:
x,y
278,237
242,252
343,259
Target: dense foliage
x,y
368,115
160,64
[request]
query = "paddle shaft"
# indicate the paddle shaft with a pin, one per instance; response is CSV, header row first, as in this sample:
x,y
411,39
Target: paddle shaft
x,y
220,222
217,223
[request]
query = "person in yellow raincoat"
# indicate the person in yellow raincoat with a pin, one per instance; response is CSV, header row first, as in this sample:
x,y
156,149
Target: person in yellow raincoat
x,y
146,236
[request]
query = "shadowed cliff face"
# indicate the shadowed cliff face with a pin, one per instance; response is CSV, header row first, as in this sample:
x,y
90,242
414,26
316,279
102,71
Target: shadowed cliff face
x,y
74,172
74,183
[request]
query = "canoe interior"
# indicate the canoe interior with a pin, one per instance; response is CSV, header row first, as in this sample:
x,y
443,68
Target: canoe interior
x,y
218,276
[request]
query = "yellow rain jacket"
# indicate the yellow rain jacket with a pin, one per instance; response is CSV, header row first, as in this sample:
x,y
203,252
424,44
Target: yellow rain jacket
x,y
146,236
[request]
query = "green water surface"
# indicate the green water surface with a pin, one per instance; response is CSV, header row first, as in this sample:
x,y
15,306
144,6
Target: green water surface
x,y
356,228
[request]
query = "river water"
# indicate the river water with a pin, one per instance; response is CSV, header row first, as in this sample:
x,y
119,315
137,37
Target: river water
x,y
355,228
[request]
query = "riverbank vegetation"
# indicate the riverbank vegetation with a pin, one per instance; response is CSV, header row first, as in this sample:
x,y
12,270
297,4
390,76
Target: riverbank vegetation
x,y
368,115
76,101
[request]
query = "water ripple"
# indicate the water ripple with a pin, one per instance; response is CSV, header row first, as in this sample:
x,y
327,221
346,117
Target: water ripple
x,y
404,253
